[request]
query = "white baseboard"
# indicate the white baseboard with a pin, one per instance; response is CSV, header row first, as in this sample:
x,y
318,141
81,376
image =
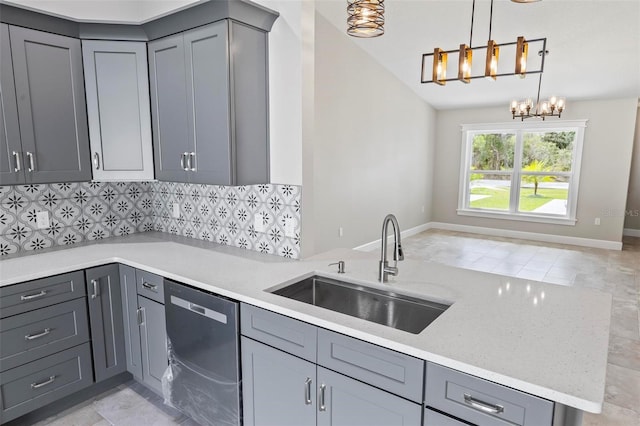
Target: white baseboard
x,y
631,232
549,238
495,232
373,245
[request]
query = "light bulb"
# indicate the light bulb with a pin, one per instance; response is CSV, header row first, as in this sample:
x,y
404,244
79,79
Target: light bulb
x,y
553,100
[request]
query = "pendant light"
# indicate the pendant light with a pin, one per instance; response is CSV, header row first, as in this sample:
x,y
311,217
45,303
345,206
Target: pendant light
x,y
365,18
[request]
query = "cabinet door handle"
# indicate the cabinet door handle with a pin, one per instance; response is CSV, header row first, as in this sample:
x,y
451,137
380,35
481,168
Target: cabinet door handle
x,y
307,391
185,161
149,286
482,406
192,161
139,314
96,160
95,294
33,296
35,336
16,159
32,166
321,405
41,384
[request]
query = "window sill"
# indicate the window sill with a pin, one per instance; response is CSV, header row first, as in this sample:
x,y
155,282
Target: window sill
x,y
523,217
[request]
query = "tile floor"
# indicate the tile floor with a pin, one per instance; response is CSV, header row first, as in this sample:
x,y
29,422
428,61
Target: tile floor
x,y
615,272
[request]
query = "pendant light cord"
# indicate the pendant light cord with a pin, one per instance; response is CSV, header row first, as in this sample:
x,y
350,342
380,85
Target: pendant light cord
x,y
473,11
538,98
490,18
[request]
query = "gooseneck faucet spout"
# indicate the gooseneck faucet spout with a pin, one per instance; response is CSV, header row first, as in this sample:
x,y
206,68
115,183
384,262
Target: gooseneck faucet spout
x,y
384,269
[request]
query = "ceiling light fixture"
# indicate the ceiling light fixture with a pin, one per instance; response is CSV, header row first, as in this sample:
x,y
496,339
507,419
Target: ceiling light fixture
x,y
552,107
465,55
366,18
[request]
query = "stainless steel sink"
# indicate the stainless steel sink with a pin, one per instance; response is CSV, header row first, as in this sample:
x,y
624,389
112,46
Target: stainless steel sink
x,y
383,307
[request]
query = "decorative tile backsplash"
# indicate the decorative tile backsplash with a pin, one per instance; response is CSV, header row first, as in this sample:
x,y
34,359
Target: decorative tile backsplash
x,y
265,218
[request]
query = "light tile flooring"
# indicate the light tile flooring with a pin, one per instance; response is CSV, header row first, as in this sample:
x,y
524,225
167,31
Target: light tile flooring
x,y
615,272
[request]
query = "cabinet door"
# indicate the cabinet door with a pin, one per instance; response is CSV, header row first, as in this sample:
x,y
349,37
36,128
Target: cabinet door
x,y
51,106
105,315
117,86
10,149
130,311
153,337
208,104
278,389
345,401
167,77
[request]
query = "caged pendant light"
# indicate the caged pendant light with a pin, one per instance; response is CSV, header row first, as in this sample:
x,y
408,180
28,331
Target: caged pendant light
x,y
365,18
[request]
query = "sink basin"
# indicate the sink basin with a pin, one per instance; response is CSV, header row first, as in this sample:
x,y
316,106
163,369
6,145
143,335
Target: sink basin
x,y
383,307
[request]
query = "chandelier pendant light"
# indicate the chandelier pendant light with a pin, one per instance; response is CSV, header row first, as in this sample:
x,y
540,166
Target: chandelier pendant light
x,y
465,56
365,18
553,107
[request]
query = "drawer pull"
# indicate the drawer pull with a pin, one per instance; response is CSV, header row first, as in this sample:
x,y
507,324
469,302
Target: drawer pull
x,y
307,391
148,286
482,406
321,402
41,384
33,296
35,336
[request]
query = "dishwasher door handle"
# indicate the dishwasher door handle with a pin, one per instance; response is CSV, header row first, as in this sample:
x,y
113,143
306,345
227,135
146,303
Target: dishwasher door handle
x,y
200,310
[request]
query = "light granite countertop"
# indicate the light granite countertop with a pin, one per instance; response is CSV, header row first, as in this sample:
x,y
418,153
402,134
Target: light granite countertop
x,y
544,339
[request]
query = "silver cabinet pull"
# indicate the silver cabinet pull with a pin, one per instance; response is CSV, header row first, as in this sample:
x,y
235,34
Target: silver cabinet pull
x,y
33,296
192,161
16,159
32,166
149,286
96,160
185,161
94,283
41,384
139,314
182,161
307,391
482,406
321,405
35,336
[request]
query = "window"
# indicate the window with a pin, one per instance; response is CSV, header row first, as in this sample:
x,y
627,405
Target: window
x,y
521,171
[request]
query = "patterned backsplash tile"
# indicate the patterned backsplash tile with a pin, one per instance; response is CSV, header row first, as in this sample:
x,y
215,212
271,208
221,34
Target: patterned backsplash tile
x,y
264,218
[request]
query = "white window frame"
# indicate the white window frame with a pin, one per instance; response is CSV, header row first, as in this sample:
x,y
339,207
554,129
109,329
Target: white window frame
x,y
469,130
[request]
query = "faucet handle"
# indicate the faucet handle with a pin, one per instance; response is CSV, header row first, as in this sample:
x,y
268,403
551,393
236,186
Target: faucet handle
x,y
340,264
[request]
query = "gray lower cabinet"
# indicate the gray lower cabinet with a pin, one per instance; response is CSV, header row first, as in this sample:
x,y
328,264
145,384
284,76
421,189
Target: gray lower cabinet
x,y
106,321
209,105
131,318
117,86
278,389
49,94
345,401
153,338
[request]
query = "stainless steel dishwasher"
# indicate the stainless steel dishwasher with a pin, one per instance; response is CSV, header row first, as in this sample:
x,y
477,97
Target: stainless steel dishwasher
x,y
203,377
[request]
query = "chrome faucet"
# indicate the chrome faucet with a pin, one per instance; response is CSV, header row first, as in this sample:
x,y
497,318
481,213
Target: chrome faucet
x,y
384,269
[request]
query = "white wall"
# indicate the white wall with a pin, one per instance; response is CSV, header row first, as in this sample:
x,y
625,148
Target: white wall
x,y
373,149
606,162
632,220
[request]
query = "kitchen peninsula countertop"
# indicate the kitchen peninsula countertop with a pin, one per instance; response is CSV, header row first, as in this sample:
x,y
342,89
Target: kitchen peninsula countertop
x,y
544,339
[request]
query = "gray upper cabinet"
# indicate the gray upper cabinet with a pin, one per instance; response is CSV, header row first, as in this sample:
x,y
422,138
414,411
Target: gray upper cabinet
x,y
209,105
167,76
10,154
49,85
117,86
105,317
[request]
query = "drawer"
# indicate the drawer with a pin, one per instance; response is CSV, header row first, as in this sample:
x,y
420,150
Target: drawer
x,y
150,285
290,335
36,334
23,297
433,418
38,383
483,402
384,368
